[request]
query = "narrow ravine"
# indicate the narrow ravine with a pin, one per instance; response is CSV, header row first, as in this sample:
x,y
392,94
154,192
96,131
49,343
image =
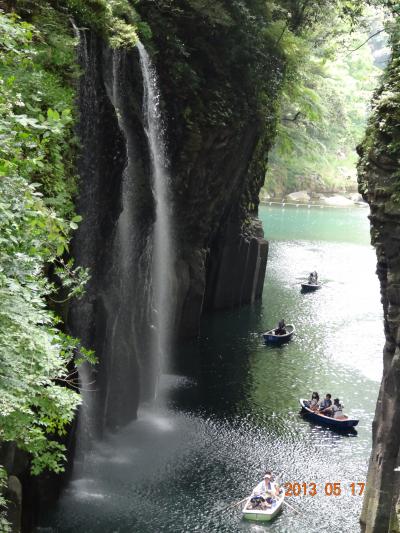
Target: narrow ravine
x,y
231,408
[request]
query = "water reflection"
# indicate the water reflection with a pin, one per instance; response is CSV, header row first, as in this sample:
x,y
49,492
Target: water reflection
x,y
230,405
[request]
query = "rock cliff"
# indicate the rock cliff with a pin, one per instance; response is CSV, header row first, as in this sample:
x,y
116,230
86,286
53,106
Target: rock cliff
x,y
219,77
220,108
379,182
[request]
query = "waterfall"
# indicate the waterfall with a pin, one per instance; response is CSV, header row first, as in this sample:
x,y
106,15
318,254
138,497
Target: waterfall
x,y
124,238
163,251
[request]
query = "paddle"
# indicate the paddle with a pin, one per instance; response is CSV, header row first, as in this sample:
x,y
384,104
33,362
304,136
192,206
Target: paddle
x,y
231,506
285,502
291,507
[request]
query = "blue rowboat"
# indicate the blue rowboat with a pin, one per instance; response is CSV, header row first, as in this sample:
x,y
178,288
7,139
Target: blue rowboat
x,y
272,338
336,423
310,287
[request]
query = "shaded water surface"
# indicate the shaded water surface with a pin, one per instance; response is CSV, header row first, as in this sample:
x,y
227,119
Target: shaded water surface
x,y
229,408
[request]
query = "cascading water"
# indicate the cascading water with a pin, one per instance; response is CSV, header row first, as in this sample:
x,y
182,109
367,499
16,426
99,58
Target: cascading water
x,y
120,342
163,249
124,238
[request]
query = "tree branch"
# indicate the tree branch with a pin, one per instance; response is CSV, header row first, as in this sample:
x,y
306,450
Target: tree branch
x,y
365,42
294,119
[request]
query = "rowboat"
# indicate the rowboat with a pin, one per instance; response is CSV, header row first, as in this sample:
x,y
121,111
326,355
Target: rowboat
x,y
271,337
336,423
310,287
263,511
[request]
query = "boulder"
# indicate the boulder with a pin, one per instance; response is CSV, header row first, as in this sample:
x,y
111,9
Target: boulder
x,y
298,196
355,197
338,201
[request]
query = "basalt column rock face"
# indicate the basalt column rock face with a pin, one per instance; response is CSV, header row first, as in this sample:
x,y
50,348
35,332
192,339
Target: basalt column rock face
x,y
236,267
379,182
219,78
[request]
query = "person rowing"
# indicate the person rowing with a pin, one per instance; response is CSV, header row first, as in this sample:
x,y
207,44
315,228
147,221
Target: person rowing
x,y
313,278
281,329
267,487
325,405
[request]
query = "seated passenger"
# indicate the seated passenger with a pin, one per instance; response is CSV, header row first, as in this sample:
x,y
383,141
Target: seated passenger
x,y
266,487
256,502
281,329
324,406
337,409
313,403
269,502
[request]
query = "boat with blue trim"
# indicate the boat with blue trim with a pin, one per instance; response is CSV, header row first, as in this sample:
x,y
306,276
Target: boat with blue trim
x,y
273,338
310,287
337,423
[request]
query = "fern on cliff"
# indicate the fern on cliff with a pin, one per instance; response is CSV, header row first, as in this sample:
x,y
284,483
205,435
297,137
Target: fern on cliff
x,y
116,20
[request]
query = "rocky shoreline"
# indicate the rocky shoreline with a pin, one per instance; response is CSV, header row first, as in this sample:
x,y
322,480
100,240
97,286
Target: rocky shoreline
x,y
317,199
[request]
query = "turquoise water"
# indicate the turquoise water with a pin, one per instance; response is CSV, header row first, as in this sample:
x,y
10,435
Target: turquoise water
x,y
229,409
315,223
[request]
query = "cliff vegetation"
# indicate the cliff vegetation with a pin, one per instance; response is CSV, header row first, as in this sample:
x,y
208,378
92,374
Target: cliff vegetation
x,y
226,68
37,184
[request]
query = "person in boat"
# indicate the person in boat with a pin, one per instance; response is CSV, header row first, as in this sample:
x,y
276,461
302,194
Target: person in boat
x,y
266,488
261,503
281,329
313,278
313,403
337,409
326,404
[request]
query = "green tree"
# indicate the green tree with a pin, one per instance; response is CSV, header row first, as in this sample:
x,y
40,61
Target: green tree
x,y
325,98
38,396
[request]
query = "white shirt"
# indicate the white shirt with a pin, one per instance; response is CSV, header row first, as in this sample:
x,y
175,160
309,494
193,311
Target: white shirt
x,y
262,488
337,411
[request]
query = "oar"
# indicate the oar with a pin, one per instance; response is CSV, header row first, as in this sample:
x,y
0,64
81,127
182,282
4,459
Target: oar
x,y
291,507
231,505
286,503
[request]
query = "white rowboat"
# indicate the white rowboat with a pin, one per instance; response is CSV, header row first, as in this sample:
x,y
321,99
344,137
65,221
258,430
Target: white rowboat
x,y
250,512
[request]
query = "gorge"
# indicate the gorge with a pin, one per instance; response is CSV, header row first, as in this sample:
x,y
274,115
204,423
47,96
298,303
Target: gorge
x,y
123,237
173,134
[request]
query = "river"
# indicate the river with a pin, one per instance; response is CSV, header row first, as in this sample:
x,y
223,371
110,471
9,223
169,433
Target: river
x,y
229,408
